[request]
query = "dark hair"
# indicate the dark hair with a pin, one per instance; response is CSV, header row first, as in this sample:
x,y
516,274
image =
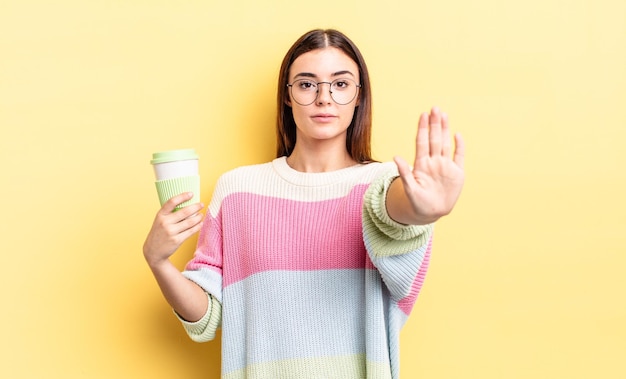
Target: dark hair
x,y
360,129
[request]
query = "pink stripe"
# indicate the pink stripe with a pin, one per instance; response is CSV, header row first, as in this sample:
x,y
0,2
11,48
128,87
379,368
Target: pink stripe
x,y
209,246
406,304
265,233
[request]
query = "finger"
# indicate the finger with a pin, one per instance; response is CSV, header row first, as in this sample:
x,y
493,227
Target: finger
x,y
459,151
169,206
434,121
406,175
186,212
422,148
191,231
184,219
188,223
446,143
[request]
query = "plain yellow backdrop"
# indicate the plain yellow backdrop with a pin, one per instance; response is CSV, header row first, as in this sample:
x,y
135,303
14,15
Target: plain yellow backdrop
x,y
528,274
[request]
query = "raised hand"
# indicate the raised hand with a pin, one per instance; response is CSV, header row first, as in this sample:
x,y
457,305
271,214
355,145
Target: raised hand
x,y
433,185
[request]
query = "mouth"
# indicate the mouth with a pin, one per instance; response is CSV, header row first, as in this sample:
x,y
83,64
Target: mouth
x,y
323,117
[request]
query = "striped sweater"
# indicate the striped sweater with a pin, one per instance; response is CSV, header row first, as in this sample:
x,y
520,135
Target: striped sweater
x,y
306,273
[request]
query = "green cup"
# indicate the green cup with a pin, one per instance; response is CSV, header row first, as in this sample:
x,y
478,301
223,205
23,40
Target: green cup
x,y
176,171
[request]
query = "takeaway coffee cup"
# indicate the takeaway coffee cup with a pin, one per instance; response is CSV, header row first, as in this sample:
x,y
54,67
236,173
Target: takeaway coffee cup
x,y
176,171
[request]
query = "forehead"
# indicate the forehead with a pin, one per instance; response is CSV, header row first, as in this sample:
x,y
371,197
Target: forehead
x,y
323,63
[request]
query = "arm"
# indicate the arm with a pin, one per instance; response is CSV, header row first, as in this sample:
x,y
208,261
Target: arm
x,y
399,252
431,188
169,230
184,296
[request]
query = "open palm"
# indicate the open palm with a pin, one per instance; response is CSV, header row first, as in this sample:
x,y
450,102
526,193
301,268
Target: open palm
x,y
434,183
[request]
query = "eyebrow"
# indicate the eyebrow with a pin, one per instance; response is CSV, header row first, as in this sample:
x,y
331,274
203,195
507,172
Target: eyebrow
x,y
311,75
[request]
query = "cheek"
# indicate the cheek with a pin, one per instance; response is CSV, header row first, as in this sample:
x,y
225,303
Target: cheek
x,y
349,114
297,114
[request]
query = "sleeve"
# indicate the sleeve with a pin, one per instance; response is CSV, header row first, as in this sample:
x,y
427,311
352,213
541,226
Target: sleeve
x,y
205,269
204,329
400,252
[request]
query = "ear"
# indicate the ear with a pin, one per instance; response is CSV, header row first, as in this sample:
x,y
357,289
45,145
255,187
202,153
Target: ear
x,y
287,98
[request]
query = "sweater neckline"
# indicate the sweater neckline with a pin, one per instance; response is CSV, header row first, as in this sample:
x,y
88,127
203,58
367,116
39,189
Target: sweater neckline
x,y
311,179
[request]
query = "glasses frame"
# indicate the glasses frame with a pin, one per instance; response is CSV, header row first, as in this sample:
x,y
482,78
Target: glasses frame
x,y
317,91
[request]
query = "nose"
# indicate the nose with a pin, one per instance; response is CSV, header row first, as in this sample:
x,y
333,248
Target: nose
x,y
324,96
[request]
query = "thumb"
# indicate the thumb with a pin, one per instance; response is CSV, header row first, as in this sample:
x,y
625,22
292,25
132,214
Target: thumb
x,y
405,171
459,151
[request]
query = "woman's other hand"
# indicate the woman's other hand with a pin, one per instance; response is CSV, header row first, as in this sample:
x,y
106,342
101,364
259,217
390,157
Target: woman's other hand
x,y
171,228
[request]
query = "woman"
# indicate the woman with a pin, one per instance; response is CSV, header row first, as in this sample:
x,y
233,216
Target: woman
x,y
311,263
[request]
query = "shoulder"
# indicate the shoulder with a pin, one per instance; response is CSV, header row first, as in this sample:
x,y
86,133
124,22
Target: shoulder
x,y
371,172
243,177
376,169
244,171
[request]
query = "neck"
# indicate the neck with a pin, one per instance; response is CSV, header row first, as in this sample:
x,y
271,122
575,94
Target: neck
x,y
319,160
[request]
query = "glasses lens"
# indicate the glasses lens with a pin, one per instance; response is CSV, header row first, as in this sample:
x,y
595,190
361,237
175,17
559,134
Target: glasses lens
x,y
343,91
305,91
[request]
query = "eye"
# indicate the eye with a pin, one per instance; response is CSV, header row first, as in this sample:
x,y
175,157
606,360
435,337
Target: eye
x,y
341,84
305,85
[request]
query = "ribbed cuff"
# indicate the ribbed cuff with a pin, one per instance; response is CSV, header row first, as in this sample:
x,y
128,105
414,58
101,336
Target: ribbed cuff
x,y
204,329
375,205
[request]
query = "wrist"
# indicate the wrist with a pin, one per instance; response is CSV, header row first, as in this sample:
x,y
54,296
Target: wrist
x,y
157,263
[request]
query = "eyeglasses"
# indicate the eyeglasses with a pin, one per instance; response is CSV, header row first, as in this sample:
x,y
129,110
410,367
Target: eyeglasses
x,y
305,91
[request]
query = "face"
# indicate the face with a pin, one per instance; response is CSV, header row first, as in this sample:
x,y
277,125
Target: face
x,y
324,119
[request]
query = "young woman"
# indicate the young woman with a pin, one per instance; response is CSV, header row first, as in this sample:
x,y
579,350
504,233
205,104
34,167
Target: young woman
x,y
311,263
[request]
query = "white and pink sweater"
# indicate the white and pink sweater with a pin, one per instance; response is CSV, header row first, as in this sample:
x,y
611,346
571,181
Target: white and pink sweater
x,y
306,273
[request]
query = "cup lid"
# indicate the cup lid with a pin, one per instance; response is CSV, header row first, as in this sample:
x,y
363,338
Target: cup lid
x,y
173,155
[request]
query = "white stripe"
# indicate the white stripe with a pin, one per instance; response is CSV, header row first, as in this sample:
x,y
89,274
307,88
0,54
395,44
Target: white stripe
x,y
277,179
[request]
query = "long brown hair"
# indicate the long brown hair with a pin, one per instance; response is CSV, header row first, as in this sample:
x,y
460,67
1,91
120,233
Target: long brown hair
x,y
360,129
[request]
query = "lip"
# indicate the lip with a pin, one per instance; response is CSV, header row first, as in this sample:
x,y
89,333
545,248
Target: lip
x,y
323,117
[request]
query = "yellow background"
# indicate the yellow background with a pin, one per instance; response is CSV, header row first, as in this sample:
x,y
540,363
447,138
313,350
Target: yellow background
x,y
527,277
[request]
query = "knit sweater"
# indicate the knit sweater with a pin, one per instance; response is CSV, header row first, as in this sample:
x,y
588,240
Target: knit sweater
x,y
306,273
